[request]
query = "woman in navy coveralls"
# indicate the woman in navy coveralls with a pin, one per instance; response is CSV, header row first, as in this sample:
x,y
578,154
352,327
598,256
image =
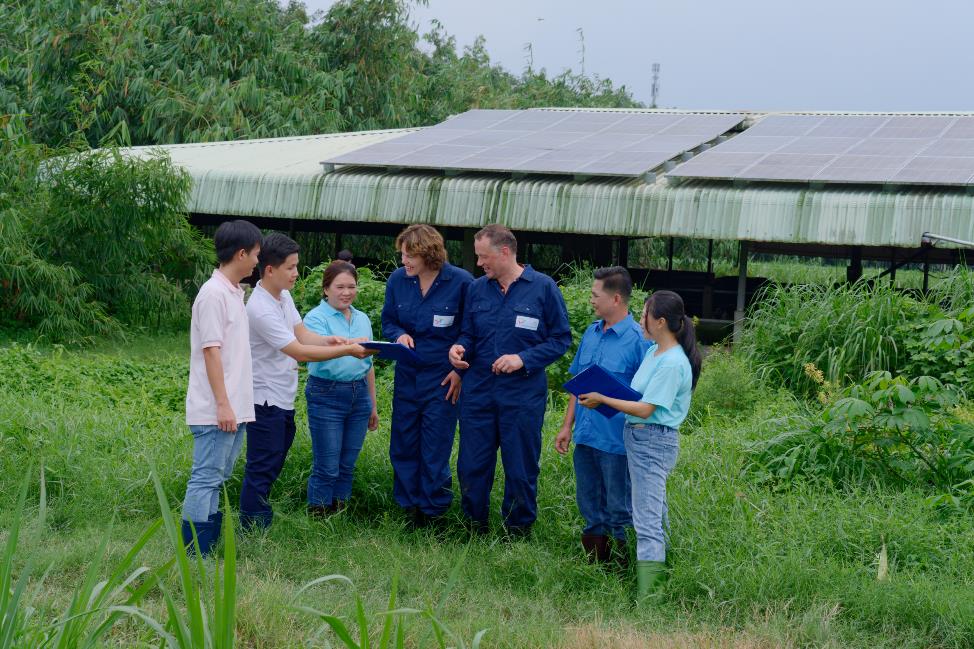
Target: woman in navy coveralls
x,y
423,310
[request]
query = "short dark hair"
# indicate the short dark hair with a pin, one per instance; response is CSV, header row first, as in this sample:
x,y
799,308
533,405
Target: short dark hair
x,y
499,236
275,249
615,279
232,237
345,255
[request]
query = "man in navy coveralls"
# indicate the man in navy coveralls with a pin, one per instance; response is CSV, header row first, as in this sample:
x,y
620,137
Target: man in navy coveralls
x,y
515,324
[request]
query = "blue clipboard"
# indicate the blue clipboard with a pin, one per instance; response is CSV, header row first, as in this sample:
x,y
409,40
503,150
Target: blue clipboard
x,y
597,379
392,351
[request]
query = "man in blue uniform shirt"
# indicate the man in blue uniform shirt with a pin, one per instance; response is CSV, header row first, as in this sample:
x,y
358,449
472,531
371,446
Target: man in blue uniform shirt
x,y
615,342
515,324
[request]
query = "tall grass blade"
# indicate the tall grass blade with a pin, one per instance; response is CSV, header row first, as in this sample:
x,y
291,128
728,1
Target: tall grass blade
x,y
189,628
227,616
391,617
11,614
336,625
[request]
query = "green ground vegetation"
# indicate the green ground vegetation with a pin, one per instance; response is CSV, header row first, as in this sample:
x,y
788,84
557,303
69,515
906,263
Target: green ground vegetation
x,y
760,557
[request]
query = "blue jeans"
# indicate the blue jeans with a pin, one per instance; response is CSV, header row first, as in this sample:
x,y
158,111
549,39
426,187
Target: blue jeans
x,y
269,438
602,491
338,417
652,450
214,454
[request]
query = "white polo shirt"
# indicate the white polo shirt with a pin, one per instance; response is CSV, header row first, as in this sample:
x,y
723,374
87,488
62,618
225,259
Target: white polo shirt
x,y
219,320
272,323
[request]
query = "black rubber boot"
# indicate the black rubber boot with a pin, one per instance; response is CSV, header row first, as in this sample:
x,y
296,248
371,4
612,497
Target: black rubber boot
x,y
620,554
596,547
205,536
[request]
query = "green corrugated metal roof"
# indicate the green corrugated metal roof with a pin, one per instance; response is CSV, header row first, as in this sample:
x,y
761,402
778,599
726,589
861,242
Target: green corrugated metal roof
x,y
283,178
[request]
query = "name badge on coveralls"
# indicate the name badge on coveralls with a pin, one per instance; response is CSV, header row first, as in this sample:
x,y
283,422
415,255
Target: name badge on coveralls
x,y
443,320
526,322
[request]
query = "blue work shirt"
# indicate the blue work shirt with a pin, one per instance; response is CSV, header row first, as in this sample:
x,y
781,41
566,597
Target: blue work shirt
x,y
433,321
666,381
531,320
326,320
618,349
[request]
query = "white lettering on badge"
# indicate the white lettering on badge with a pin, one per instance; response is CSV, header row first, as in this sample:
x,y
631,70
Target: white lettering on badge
x,y
443,320
525,322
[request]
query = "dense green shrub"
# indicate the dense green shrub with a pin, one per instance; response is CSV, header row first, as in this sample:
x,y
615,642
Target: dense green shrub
x,y
846,331
898,431
90,243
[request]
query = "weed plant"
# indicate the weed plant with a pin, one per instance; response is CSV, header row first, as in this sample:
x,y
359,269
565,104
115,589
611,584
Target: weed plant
x,y
890,430
845,331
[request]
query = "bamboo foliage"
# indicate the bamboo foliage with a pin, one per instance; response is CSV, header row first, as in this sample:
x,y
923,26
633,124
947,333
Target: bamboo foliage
x,y
154,72
90,243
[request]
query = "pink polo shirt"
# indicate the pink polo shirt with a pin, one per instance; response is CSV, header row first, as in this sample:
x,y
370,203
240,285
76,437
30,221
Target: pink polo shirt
x,y
220,320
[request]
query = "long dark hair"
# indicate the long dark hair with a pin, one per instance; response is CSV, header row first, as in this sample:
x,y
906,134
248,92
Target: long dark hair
x,y
669,305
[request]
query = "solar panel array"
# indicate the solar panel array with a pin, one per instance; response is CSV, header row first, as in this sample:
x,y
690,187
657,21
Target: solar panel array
x,y
547,142
900,149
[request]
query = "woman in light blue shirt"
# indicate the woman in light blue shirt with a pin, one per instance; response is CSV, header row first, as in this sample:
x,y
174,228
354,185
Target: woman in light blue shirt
x,y
666,378
340,393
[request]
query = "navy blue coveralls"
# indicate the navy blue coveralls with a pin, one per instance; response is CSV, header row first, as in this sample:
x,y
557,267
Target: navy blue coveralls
x,y
506,411
424,422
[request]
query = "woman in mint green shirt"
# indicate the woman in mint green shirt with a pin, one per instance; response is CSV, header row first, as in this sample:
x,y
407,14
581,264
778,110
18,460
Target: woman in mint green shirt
x,y
666,378
340,393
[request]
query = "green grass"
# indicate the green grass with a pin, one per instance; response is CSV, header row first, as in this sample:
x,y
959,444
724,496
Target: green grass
x,y
751,566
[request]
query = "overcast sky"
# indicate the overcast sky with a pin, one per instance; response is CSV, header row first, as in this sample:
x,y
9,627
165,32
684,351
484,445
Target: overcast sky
x,y
885,55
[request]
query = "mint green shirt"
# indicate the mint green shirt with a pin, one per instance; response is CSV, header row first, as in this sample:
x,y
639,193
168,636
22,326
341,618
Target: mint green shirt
x,y
666,381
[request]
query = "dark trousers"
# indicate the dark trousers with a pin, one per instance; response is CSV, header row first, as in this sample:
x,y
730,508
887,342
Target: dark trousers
x,y
269,438
420,445
603,491
486,427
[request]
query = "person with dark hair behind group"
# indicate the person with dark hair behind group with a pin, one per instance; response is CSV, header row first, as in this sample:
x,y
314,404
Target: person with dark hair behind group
x,y
423,310
666,378
220,395
615,343
340,393
515,324
278,341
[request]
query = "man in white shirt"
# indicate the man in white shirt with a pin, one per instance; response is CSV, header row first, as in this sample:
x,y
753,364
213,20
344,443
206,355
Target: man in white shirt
x,y
219,398
278,341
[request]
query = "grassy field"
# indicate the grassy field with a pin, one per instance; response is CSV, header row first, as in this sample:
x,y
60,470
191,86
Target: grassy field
x,y
752,567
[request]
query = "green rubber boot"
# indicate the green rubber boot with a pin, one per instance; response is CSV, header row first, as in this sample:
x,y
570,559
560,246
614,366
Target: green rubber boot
x,y
649,578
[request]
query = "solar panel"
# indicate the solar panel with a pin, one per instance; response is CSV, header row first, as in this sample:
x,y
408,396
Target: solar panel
x,y
611,143
899,149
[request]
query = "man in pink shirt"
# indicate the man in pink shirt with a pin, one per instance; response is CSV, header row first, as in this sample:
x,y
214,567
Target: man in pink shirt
x,y
220,397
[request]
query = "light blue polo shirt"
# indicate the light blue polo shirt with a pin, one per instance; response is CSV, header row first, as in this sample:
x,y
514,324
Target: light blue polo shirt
x,y
665,381
325,320
618,349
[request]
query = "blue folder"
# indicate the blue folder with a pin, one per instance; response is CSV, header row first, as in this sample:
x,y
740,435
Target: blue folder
x,y
392,351
597,379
